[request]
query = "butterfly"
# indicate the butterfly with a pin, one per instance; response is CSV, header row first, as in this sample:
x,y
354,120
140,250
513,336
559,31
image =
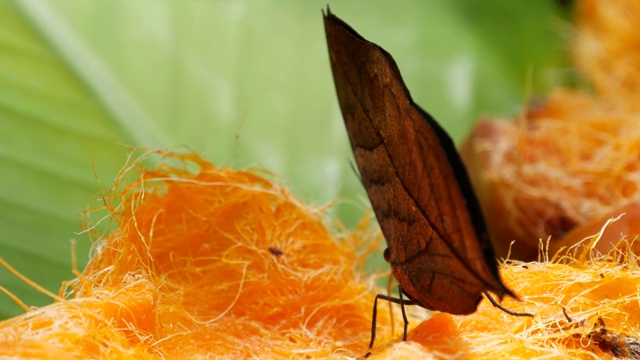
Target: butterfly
x,y
438,245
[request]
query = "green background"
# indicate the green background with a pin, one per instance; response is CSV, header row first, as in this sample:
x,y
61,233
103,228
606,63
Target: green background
x,y
247,83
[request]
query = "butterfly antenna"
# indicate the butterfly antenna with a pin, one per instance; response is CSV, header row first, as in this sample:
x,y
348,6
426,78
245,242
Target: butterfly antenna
x,y
355,171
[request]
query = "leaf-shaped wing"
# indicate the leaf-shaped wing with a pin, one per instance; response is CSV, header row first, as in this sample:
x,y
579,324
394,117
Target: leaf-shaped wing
x,y
440,252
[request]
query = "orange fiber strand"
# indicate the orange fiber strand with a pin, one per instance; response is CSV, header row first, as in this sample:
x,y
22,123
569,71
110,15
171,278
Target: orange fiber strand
x,y
14,298
27,280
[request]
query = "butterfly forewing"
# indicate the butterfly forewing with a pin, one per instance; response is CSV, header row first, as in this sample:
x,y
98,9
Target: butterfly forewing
x,y
418,188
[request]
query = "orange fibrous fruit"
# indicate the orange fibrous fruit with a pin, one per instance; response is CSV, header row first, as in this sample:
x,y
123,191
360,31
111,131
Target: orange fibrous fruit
x,y
208,262
572,157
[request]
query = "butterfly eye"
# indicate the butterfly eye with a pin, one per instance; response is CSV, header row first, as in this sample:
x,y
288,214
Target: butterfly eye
x,y
387,255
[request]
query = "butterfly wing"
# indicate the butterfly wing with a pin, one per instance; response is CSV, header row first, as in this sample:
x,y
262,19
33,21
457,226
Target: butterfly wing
x,y
440,252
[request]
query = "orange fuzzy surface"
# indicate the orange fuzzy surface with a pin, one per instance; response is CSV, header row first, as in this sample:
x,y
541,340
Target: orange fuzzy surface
x,y
189,274
572,160
573,157
607,48
207,262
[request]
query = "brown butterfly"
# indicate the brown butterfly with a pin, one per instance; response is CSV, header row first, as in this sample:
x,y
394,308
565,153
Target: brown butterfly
x,y
438,245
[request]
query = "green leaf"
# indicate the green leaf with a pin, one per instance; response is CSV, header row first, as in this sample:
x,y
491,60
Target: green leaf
x,y
247,83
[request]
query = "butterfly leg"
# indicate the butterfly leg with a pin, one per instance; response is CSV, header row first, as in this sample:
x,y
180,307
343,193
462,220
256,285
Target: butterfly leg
x,y
510,312
404,302
398,300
